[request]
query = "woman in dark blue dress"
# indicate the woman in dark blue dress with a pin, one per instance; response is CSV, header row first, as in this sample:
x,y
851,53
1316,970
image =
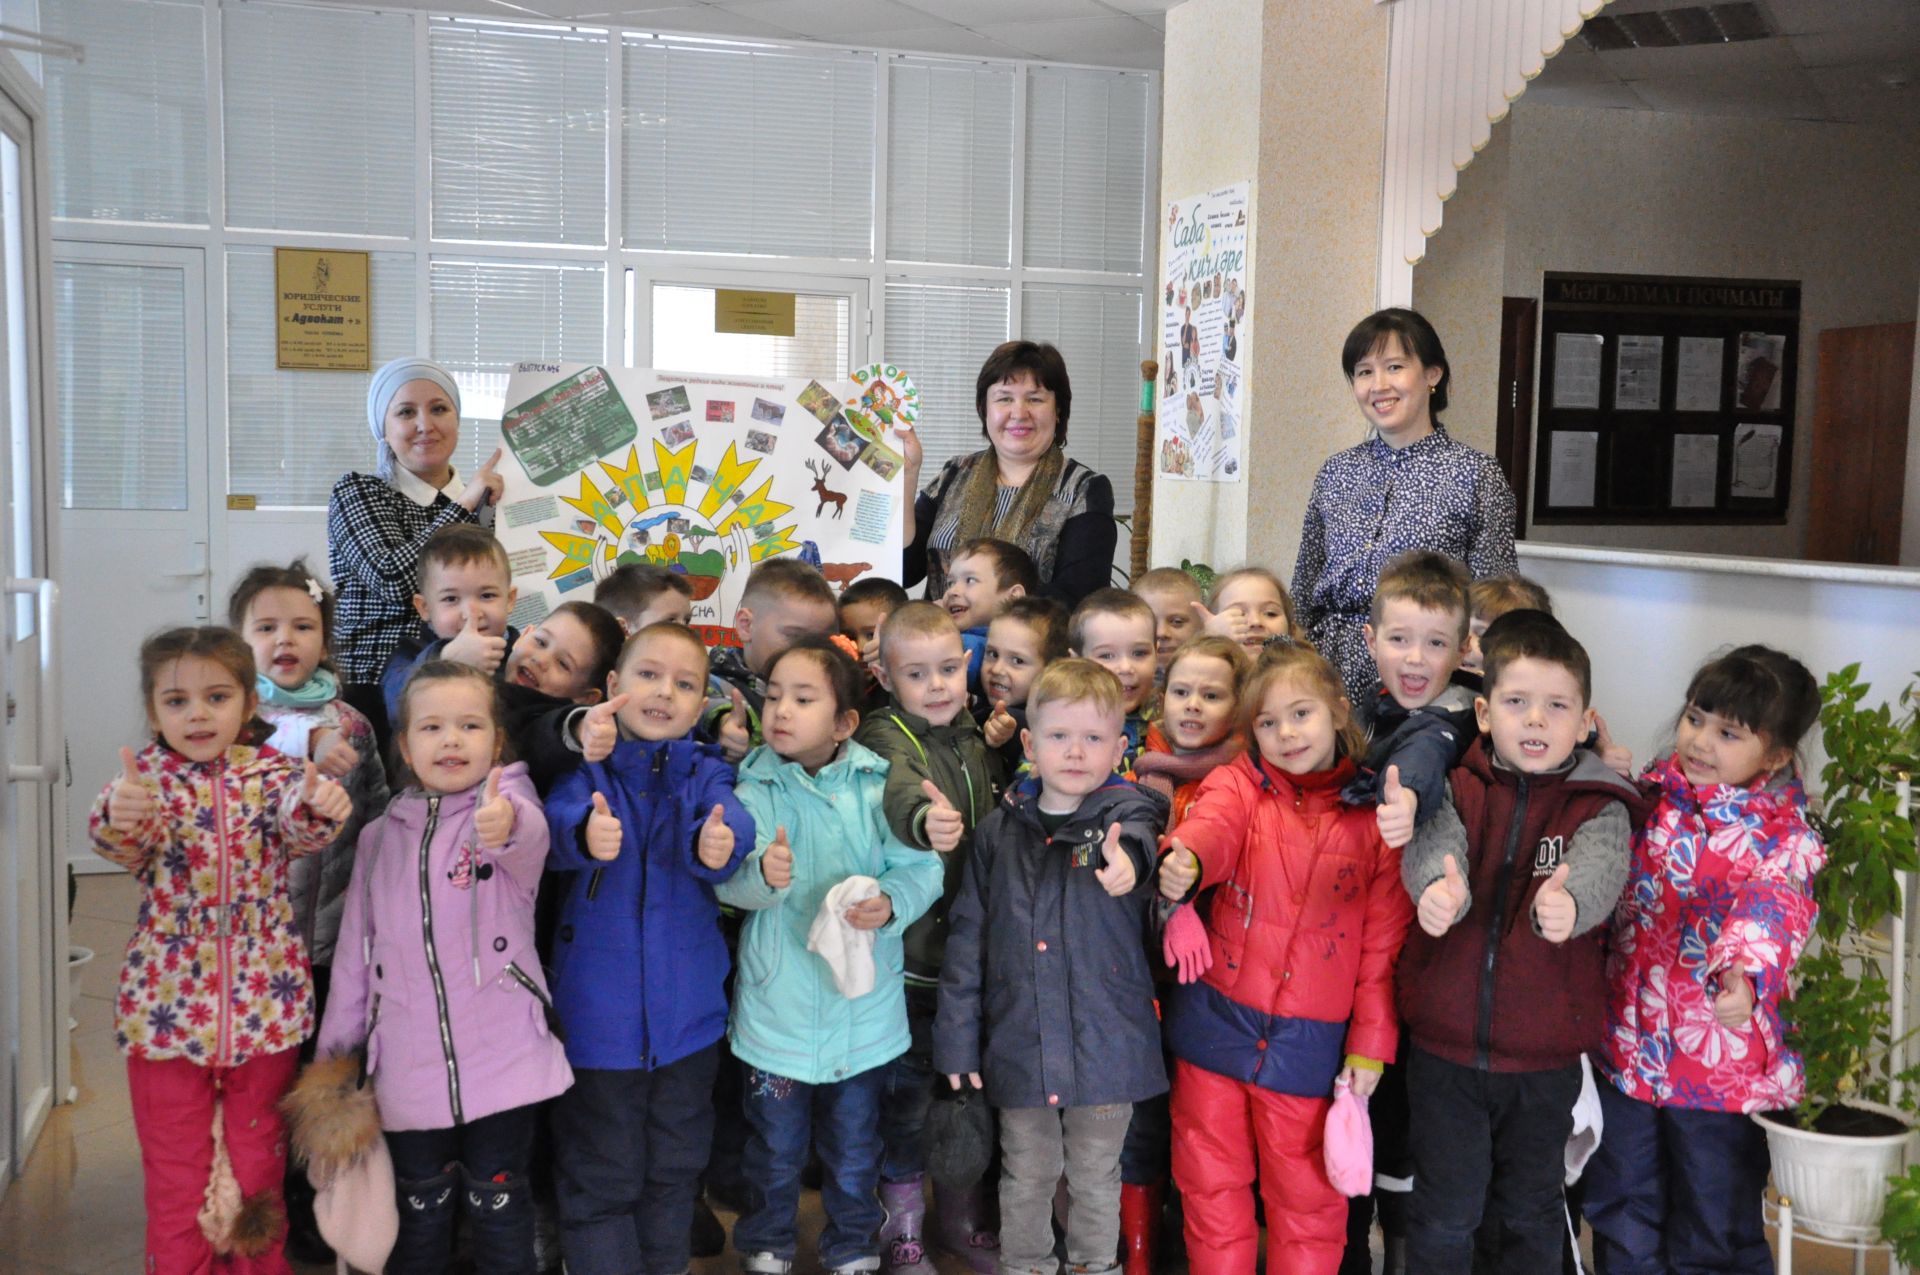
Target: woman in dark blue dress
x,y
1410,485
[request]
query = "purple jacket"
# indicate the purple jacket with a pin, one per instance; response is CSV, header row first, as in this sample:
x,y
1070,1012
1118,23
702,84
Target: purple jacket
x,y
449,998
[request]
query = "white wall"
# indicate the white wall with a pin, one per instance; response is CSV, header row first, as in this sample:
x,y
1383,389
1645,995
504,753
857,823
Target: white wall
x,y
1649,621
1910,510
1632,192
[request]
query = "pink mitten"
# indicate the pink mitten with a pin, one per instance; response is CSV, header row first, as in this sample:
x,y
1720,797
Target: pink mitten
x,y
1348,1143
1186,945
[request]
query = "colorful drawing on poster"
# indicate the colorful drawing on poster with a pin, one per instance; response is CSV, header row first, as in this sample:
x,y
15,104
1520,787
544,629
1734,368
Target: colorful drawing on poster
x,y
888,399
840,441
821,404
1203,331
669,402
711,492
567,425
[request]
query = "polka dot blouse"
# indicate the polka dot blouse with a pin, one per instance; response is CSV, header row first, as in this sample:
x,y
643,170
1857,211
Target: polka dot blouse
x,y
1373,501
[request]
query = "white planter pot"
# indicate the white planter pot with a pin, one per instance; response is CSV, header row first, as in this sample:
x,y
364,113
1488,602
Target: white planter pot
x,y
78,958
1838,1184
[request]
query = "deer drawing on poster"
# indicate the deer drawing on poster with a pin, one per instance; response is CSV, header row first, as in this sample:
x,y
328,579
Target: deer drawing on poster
x,y
704,476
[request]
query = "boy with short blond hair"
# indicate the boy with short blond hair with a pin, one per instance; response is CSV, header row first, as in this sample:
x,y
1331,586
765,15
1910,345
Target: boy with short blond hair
x,y
941,782
1050,918
785,600
984,575
1515,875
1172,594
1115,629
1493,597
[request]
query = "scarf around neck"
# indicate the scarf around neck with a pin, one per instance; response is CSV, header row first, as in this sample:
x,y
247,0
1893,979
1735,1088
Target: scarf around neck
x,y
316,692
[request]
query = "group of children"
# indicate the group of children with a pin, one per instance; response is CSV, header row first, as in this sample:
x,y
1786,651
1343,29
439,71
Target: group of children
x,y
621,898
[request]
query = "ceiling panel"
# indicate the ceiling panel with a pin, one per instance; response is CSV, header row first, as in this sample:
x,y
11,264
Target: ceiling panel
x,y
1607,96
979,13
949,42
852,20
1113,41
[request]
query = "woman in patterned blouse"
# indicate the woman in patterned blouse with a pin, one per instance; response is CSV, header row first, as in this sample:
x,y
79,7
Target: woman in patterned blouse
x,y
1408,486
377,523
1022,489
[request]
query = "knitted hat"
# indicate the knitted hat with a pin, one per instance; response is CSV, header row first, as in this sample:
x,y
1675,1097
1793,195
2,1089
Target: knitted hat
x,y
959,1137
380,391
358,1212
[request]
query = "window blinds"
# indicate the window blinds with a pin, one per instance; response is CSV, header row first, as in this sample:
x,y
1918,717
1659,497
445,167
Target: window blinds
x,y
129,125
684,339
940,334
318,108
490,315
120,367
1087,139
290,435
519,133
950,152
1098,332
737,150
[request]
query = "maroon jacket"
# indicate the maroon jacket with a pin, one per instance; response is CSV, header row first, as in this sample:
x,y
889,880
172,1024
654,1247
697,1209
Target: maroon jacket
x,y
1492,993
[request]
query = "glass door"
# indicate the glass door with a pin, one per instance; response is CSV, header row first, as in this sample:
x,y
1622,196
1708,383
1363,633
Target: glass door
x,y
671,326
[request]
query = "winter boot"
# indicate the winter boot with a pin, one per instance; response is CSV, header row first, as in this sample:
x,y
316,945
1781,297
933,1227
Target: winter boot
x,y
500,1220
709,1237
427,1208
960,1227
1139,1226
902,1250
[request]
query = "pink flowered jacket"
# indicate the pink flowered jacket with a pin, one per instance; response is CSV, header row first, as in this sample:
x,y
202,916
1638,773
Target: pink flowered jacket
x,y
1721,877
215,972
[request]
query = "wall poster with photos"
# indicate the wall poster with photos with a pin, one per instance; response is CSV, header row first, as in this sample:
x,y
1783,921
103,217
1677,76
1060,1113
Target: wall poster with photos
x,y
703,475
1665,400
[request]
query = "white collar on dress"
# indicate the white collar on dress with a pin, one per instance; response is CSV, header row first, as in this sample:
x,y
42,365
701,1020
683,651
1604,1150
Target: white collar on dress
x,y
419,491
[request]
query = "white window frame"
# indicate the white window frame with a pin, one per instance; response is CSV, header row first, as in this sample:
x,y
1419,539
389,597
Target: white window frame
x,y
268,530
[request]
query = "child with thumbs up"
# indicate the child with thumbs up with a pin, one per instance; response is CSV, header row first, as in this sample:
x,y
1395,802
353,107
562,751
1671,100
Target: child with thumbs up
x,y
437,982
1719,907
643,835
1502,985
1046,999
214,997
818,1011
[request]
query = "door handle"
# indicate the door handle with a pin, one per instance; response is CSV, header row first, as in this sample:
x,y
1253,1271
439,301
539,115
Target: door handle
x,y
195,568
47,606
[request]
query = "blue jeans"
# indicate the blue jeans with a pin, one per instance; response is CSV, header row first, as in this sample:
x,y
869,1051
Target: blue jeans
x,y
843,1120
1672,1190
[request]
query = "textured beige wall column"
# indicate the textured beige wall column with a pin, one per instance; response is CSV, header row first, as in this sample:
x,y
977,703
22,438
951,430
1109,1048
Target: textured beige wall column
x,y
1323,113
1210,121
1293,94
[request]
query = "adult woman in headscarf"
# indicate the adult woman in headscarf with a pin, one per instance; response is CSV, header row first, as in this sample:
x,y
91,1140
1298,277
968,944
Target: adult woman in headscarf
x,y
1022,488
377,523
1410,485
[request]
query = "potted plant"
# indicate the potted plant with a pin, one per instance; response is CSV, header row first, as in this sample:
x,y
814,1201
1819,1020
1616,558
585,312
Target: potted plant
x,y
1833,1155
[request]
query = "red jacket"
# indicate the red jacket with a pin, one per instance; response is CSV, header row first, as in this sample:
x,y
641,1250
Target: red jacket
x,y
1306,925
1491,993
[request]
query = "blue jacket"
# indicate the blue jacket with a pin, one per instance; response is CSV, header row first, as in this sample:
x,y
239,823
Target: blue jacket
x,y
974,642
410,655
1045,990
788,1017
638,962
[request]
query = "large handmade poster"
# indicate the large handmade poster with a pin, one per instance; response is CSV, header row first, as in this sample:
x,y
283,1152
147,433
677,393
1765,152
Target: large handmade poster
x,y
703,475
1201,432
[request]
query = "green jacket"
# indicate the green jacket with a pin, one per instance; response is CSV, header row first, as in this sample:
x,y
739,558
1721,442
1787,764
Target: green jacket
x,y
957,759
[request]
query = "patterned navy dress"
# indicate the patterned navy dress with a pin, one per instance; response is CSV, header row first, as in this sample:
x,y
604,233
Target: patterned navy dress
x,y
1374,501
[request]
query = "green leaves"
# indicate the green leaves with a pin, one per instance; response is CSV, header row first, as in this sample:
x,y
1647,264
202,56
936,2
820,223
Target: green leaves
x,y
1900,1224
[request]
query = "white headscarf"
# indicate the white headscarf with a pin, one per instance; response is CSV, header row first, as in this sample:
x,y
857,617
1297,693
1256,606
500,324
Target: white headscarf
x,y
380,391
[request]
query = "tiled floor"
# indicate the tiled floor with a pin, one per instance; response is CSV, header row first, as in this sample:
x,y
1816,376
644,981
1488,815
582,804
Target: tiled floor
x,y
78,1211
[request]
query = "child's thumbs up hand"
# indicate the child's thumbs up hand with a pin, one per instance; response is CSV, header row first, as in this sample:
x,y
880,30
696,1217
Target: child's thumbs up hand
x,y
333,754
1618,759
776,865
973,1078
1398,806
599,729
1227,624
322,796
735,732
1734,1005
1000,726
715,843
133,800
945,825
1443,901
1118,878
493,821
1179,872
473,646
603,831
1554,910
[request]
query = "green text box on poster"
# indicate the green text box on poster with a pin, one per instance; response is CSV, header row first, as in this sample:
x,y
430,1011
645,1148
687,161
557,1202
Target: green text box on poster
x,y
568,426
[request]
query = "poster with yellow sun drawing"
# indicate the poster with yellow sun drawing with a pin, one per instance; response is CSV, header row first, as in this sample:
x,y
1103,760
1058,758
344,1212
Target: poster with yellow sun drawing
x,y
703,475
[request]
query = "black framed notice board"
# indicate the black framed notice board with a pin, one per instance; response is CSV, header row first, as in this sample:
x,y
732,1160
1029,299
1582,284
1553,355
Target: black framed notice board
x,y
1665,400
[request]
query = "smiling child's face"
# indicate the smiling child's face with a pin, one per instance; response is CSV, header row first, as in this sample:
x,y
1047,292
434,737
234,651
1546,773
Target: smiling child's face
x,y
665,677
555,658
1122,643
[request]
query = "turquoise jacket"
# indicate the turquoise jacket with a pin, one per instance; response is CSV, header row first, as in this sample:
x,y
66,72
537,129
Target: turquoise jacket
x,y
788,1017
